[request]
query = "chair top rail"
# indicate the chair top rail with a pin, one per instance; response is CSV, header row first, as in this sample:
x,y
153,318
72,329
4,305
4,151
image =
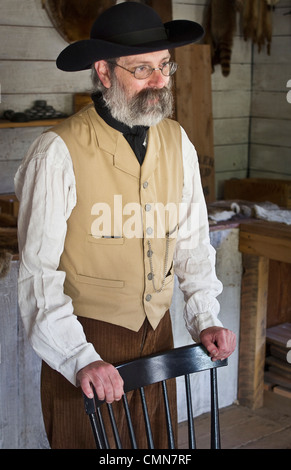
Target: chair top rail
x,y
166,365
163,366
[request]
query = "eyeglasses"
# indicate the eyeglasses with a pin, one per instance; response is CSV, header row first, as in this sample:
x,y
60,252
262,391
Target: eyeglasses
x,y
144,71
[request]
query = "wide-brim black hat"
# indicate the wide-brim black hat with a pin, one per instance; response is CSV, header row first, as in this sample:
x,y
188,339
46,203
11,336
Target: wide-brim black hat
x,y
128,28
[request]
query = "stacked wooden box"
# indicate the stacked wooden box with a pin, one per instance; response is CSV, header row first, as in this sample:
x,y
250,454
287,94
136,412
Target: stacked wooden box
x,y
278,359
259,190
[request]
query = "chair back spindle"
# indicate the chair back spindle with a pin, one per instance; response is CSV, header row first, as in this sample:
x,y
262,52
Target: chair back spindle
x,y
139,373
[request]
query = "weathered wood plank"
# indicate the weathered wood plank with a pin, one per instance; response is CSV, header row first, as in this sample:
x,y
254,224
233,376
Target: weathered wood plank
x,y
271,104
27,43
271,132
272,247
231,157
252,331
270,158
269,78
281,20
29,13
194,108
235,104
231,131
16,142
39,77
14,145
7,173
238,79
266,239
191,11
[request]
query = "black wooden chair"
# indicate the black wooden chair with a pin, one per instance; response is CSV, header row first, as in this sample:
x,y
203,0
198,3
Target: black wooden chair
x,y
147,370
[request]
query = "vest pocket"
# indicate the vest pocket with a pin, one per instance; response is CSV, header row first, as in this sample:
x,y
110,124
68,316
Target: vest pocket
x,y
105,240
94,281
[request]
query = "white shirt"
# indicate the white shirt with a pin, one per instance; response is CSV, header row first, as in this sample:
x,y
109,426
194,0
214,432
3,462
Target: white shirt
x,y
45,186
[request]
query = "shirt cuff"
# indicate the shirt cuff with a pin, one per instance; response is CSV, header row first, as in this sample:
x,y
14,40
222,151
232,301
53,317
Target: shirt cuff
x,y
71,367
200,322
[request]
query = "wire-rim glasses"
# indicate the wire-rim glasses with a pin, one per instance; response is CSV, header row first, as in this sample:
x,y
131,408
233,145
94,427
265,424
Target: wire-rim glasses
x,y
144,71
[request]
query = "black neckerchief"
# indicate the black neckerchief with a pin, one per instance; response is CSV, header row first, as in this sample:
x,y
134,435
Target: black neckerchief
x,y
135,136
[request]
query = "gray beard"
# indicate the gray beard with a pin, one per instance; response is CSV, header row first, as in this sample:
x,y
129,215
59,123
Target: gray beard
x,y
137,111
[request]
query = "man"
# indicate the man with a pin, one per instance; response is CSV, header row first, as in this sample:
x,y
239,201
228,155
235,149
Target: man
x,y
97,255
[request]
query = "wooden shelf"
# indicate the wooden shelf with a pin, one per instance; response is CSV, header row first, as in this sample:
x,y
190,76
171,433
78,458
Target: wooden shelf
x,y
269,239
265,297
42,123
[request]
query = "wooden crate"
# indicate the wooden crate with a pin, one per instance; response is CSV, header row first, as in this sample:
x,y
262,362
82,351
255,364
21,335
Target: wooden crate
x,y
259,190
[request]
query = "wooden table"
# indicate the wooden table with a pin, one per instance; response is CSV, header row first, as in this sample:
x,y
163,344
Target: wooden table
x,y
260,242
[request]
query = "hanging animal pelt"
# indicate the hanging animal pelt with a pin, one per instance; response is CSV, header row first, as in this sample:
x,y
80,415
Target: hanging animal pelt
x,y
257,22
220,26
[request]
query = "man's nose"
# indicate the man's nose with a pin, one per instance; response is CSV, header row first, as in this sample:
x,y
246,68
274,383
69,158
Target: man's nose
x,y
157,79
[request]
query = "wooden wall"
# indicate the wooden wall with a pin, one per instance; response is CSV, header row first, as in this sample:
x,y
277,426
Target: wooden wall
x,y
250,109
270,140
252,132
231,99
29,47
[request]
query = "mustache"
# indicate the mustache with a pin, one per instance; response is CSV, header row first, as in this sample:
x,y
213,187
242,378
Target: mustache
x,y
158,97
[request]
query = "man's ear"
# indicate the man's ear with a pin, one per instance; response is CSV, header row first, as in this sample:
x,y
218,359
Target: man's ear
x,y
103,73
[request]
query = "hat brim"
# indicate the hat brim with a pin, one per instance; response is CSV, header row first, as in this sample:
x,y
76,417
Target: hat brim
x,y
80,55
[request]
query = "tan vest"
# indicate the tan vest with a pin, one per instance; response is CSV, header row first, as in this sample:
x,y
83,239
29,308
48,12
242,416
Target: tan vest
x,y
108,261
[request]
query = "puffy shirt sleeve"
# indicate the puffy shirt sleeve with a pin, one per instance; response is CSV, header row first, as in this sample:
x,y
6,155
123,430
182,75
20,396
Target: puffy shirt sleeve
x,y
45,187
194,259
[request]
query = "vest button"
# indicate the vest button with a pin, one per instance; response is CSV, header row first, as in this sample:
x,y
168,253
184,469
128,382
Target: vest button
x,y
148,207
148,298
150,276
145,185
150,253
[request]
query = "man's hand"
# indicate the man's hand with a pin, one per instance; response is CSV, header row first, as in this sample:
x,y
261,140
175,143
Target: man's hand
x,y
105,378
219,342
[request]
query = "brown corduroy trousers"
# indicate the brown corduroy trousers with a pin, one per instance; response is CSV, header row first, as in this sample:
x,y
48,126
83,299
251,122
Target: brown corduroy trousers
x,y
66,422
